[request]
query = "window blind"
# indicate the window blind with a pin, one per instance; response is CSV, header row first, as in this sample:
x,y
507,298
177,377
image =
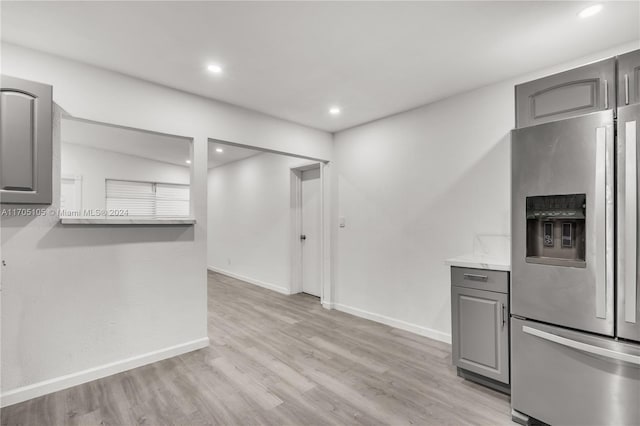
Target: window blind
x,y
172,200
152,199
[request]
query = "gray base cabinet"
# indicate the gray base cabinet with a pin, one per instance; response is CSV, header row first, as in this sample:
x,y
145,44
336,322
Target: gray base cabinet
x,y
480,322
25,141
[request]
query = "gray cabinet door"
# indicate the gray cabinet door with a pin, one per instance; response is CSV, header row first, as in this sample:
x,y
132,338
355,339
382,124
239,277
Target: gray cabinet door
x,y
25,141
481,332
571,93
629,78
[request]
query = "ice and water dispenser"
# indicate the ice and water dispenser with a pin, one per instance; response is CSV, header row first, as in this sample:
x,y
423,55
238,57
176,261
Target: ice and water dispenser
x,y
556,230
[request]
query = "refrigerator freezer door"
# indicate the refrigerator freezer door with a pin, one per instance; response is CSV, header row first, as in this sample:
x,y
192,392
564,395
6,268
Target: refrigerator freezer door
x,y
566,377
628,319
573,156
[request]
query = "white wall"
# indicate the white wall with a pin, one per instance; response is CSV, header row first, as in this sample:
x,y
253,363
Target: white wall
x,y
415,188
96,165
79,302
249,219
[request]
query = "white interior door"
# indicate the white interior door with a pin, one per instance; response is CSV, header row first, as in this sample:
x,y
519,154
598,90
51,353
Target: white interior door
x,y
310,238
71,195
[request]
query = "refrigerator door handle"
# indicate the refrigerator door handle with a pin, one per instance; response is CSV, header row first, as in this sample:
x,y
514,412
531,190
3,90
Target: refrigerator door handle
x,y
629,275
603,219
583,347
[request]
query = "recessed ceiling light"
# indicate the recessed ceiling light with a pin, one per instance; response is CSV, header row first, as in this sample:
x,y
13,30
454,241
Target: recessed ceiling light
x,y
590,11
334,110
188,161
220,150
214,68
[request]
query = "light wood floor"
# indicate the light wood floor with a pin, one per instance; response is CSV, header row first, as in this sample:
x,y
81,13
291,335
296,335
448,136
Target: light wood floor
x,y
280,360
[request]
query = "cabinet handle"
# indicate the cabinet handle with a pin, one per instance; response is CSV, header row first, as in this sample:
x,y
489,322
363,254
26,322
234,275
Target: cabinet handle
x,y
475,277
504,321
626,89
606,94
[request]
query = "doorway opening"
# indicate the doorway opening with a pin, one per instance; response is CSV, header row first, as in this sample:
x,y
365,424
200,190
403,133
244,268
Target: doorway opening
x,y
268,219
306,227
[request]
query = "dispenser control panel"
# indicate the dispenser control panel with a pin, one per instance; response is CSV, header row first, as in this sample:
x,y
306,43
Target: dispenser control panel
x,y
556,230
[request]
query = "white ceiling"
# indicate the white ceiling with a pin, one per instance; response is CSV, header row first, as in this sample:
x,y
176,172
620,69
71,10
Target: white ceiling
x,y
153,146
229,154
295,59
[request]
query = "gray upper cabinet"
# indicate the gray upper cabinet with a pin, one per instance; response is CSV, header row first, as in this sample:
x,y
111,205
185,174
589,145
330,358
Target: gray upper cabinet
x,y
25,141
629,78
576,92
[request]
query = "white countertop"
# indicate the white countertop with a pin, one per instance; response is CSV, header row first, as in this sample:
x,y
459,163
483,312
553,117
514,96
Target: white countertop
x,y
126,221
489,252
481,261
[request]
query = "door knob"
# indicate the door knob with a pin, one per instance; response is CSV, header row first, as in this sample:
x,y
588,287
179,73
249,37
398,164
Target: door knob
x,y
303,237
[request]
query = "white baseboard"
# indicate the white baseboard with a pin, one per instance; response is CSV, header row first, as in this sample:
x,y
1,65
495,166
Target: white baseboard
x,y
270,286
35,390
402,325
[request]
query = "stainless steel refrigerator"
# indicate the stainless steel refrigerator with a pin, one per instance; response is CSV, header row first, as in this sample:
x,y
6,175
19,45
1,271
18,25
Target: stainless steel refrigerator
x,y
575,305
